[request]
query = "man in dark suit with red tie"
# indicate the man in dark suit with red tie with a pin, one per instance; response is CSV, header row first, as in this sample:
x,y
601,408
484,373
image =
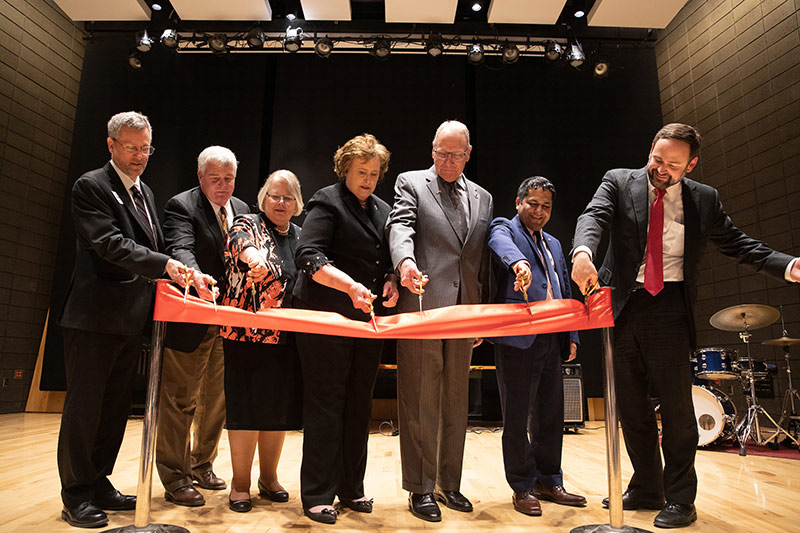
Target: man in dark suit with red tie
x,y
108,307
659,222
192,410
529,265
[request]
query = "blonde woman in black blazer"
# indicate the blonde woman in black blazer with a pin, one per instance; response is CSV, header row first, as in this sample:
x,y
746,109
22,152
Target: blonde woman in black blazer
x,y
344,263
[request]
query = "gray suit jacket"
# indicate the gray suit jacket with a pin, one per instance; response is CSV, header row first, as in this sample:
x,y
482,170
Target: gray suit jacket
x,y
419,228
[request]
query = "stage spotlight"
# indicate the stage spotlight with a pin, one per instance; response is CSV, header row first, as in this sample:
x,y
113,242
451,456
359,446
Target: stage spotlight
x,y
477,6
255,38
143,42
601,67
475,53
135,59
218,43
293,40
510,53
291,17
170,38
552,50
381,48
579,7
155,6
575,55
323,47
434,46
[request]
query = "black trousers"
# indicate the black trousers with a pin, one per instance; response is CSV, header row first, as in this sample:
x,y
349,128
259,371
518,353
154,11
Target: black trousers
x,y
339,376
532,398
100,371
651,351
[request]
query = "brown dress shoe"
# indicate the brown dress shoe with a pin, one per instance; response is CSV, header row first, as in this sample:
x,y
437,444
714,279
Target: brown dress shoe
x,y
209,480
557,494
526,503
186,495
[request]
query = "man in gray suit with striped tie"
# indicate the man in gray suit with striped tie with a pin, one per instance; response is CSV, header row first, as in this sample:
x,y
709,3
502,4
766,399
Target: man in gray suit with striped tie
x,y
437,237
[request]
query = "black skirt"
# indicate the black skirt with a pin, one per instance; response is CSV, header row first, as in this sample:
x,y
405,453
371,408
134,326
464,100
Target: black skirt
x,y
263,386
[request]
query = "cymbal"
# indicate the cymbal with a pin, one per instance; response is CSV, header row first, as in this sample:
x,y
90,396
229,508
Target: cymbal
x,y
735,317
782,341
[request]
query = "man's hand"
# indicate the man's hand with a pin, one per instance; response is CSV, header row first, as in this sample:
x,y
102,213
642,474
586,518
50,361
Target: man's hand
x,y
524,276
411,278
573,351
390,292
176,272
204,284
584,274
794,273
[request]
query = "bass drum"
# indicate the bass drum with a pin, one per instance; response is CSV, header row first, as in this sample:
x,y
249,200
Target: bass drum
x,y
715,414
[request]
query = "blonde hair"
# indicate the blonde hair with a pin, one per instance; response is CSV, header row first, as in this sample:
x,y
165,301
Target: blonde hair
x,y
294,186
364,146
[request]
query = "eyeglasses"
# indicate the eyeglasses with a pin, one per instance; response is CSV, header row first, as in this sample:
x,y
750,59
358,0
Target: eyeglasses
x,y
455,156
131,149
278,198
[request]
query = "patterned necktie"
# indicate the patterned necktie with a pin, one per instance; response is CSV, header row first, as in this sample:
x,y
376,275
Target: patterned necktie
x,y
223,220
553,289
654,260
141,213
461,215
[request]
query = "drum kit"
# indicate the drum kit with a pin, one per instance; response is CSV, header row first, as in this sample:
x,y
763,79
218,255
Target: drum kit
x,y
715,412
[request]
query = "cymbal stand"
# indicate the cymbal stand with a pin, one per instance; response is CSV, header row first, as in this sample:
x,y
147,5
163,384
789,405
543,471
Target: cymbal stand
x,y
787,407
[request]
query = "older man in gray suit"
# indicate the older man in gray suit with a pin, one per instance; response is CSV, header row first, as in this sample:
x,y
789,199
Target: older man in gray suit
x,y
437,231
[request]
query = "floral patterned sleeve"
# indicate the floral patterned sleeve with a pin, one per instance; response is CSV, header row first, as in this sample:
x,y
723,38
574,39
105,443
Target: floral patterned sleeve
x,y
251,231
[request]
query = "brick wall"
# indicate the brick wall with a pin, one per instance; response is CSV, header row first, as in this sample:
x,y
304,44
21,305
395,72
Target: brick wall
x,y
41,53
732,69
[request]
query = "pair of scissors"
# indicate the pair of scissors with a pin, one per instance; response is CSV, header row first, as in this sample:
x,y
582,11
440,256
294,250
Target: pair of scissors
x,y
253,292
519,284
187,278
372,311
591,288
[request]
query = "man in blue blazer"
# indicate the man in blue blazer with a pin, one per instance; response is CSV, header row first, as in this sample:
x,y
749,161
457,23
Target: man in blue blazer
x,y
527,260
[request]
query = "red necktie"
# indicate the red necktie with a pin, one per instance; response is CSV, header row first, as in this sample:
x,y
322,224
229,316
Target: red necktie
x,y
654,261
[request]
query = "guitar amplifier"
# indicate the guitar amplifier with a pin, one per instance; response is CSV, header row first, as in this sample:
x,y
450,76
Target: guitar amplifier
x,y
573,396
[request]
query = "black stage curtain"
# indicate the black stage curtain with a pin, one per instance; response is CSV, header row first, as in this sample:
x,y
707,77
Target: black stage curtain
x,y
293,111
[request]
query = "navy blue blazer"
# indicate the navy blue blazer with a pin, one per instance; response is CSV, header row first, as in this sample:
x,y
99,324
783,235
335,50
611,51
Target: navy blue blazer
x,y
510,242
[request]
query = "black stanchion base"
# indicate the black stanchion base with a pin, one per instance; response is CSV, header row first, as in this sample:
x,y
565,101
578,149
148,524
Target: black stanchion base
x,y
607,528
149,528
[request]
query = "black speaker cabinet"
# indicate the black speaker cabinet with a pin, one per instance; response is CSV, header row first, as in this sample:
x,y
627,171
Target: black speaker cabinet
x,y
573,396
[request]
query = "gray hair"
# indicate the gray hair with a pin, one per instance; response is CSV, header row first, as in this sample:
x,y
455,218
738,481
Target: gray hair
x,y
217,155
294,186
128,119
451,126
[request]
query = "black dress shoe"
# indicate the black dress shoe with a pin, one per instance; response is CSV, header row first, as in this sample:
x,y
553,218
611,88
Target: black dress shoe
x,y
325,516
240,506
676,515
87,514
424,506
279,496
362,506
115,501
453,500
632,500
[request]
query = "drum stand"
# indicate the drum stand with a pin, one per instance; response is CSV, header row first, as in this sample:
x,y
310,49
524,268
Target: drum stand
x,y
749,426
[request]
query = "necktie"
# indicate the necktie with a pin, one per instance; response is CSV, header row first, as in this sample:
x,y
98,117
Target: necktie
x,y
654,260
553,289
141,213
223,221
461,214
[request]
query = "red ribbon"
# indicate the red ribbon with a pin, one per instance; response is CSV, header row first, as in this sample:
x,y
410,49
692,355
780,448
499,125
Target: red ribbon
x,y
453,322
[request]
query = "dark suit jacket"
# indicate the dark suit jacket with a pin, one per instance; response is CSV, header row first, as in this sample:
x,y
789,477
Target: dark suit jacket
x,y
339,232
620,208
194,238
112,285
510,242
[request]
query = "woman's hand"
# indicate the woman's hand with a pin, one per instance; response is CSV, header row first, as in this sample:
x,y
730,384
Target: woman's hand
x,y
258,267
361,297
390,292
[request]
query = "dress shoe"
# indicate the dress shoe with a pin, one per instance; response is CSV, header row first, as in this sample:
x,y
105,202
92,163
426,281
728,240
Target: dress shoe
x,y
240,506
453,500
87,514
557,494
362,506
424,506
274,495
209,480
676,515
632,500
115,501
325,516
526,503
186,495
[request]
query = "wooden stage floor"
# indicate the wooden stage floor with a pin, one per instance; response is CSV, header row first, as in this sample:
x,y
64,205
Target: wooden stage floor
x,y
736,494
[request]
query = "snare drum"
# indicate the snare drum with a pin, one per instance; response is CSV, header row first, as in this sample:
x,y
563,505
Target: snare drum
x,y
715,414
714,363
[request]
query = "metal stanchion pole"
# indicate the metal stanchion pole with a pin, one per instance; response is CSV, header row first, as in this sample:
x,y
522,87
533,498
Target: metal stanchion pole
x,y
616,524
141,521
